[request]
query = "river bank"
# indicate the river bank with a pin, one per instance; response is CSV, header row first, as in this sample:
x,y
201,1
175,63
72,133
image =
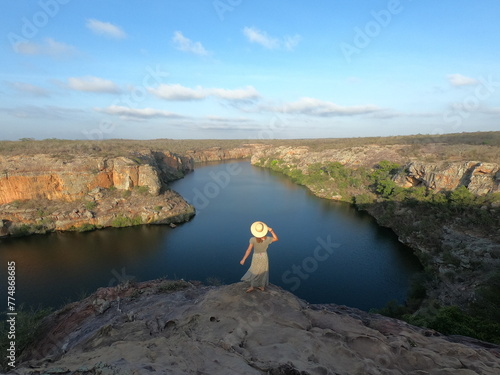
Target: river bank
x,y
448,213
42,193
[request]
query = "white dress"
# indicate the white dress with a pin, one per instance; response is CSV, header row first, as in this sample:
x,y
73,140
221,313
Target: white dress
x,y
258,273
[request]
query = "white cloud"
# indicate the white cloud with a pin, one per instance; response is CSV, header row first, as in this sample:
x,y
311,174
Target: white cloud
x,y
42,112
257,36
229,127
494,111
290,42
179,92
93,84
320,108
48,47
187,45
106,29
227,119
385,114
137,113
260,37
247,93
27,88
461,80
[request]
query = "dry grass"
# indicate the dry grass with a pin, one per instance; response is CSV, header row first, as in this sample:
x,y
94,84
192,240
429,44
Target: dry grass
x,y
484,146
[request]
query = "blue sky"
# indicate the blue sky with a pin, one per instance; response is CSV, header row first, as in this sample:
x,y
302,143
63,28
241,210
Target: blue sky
x,y
247,69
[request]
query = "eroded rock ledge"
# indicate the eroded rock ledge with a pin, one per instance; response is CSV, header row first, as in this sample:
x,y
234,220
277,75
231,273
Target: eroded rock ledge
x,y
175,327
42,193
479,178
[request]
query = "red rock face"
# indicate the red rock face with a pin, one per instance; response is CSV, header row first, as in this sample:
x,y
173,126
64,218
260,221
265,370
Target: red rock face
x,y
30,187
42,176
41,193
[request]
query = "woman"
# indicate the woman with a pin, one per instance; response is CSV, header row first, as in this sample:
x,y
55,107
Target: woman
x,y
258,273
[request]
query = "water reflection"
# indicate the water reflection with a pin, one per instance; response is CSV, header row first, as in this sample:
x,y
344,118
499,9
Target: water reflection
x,y
59,267
361,265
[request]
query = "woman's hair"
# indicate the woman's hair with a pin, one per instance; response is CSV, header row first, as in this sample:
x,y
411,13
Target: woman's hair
x,y
259,240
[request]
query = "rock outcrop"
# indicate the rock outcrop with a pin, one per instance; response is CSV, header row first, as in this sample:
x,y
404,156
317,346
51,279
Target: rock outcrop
x,y
70,177
219,153
102,208
42,193
479,178
352,157
173,327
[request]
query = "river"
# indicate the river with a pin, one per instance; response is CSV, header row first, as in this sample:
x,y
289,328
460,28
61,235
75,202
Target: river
x,y
328,252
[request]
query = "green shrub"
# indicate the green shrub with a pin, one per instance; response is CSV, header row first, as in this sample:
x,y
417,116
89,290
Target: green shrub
x,y
487,302
23,230
143,190
91,205
28,323
461,197
86,227
170,286
363,199
124,221
392,309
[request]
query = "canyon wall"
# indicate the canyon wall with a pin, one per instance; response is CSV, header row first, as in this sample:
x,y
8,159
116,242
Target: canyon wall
x,y
69,191
219,153
459,243
71,177
480,178
42,193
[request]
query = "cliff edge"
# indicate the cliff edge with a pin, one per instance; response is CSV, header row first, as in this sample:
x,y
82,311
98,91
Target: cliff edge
x,y
175,327
43,192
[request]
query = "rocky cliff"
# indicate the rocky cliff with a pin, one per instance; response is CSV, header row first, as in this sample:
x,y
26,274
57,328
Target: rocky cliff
x,y
70,177
219,153
40,193
480,178
458,243
68,191
173,327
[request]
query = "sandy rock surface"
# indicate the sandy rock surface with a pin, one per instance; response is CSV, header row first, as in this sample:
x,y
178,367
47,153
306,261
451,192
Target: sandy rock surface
x,y
153,328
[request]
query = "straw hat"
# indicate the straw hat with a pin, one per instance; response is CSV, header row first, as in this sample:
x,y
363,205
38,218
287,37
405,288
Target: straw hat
x,y
259,229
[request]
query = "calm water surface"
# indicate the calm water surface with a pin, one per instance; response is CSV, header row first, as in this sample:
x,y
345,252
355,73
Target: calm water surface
x,y
327,252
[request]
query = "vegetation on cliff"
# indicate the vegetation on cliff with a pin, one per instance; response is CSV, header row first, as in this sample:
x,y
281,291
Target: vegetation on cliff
x,y
458,292
101,208
454,232
479,145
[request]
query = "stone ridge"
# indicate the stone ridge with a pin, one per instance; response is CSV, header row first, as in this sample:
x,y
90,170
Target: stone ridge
x,y
174,327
